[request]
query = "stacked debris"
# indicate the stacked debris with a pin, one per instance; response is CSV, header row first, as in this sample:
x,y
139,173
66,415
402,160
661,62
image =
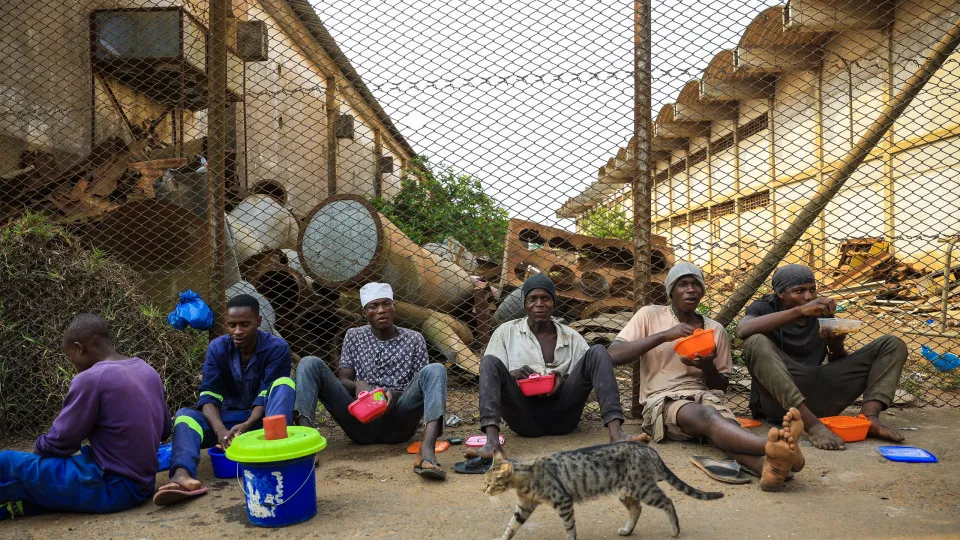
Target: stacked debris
x,y
48,277
587,271
78,190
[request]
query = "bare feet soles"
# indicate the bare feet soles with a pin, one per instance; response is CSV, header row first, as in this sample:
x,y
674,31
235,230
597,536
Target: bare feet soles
x,y
782,453
882,431
778,459
794,426
824,439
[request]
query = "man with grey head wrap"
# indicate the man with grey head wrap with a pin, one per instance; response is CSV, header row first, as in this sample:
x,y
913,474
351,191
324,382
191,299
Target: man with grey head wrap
x,y
785,350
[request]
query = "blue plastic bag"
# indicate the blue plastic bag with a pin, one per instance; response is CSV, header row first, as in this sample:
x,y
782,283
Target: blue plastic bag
x,y
163,456
942,362
191,311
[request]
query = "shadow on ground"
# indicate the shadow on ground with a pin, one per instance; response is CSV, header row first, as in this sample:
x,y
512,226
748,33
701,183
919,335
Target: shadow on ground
x,y
372,492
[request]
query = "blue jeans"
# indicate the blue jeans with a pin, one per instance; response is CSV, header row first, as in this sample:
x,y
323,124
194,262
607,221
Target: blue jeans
x,y
425,397
192,432
31,484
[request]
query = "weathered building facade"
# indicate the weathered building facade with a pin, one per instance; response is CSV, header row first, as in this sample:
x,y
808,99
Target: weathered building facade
x,y
743,148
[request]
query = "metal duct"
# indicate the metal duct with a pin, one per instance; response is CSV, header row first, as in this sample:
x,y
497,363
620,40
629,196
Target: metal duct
x,y
260,224
345,242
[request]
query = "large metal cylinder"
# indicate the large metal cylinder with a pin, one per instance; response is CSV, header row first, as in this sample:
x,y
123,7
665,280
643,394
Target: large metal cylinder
x,y
259,224
345,242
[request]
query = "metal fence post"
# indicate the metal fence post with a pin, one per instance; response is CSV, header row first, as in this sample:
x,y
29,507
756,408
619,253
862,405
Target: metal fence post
x,y
216,155
640,188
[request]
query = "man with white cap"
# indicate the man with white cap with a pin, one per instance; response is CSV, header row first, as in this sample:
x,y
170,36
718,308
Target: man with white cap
x,y
386,356
682,398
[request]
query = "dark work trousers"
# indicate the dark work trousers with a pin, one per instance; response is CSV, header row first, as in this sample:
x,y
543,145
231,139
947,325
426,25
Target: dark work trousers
x,y
559,414
872,371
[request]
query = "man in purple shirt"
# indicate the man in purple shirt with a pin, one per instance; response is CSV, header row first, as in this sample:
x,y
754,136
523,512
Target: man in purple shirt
x,y
246,376
117,470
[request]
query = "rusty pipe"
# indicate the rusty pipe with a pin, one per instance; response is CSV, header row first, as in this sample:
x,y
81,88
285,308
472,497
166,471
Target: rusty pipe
x,y
345,242
260,224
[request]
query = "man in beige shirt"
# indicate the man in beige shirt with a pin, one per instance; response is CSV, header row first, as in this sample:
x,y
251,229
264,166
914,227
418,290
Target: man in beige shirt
x,y
539,344
682,398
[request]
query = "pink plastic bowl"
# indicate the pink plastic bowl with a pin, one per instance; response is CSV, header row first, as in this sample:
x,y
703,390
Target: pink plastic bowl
x,y
369,405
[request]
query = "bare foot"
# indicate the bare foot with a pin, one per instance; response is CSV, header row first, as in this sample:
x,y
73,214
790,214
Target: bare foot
x,y
779,454
882,431
823,438
427,453
486,451
621,436
181,480
793,425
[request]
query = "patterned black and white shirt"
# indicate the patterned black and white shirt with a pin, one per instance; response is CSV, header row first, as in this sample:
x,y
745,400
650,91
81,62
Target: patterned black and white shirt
x,y
391,363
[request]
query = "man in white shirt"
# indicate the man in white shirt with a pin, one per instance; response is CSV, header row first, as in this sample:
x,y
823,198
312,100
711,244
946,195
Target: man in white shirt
x,y
539,344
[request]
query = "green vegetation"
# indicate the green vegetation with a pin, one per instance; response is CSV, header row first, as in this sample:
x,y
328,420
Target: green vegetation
x,y
435,203
604,222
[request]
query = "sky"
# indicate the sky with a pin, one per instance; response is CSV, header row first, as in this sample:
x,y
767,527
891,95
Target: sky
x,y
529,96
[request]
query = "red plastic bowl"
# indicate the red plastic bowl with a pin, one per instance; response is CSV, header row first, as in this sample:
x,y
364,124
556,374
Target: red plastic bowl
x,y
537,385
700,342
369,405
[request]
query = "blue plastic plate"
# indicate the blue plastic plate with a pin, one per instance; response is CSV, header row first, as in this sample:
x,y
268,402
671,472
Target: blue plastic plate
x,y
906,454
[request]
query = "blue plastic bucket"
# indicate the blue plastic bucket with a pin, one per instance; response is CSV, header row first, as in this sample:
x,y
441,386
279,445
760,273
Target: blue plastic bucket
x,y
281,493
223,467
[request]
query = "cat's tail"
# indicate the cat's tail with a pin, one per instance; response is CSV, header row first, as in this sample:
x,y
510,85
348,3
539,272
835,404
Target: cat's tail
x,y
686,488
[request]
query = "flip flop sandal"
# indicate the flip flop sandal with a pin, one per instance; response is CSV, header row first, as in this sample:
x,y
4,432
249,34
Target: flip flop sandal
x,y
726,471
433,473
474,465
440,446
754,473
165,497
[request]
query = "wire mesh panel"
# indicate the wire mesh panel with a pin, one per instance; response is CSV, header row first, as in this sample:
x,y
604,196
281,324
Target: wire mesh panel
x,y
453,150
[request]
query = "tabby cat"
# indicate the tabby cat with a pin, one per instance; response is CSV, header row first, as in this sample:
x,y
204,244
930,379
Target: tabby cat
x,y
630,469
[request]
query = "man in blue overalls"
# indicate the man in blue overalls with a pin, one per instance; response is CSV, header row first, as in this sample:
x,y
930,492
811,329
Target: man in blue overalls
x,y
246,376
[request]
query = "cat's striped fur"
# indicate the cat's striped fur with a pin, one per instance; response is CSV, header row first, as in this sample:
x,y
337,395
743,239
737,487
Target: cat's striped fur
x,y
630,469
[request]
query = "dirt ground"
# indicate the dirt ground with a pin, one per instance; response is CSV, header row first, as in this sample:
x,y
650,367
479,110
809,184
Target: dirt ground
x,y
371,492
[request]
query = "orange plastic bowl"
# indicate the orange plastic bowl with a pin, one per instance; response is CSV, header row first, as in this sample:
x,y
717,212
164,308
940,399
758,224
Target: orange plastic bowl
x,y
701,342
849,428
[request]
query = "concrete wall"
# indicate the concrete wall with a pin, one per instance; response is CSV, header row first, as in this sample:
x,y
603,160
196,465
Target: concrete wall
x,y
907,191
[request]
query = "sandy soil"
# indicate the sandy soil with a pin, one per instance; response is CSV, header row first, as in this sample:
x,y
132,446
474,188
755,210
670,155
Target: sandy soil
x,y
371,492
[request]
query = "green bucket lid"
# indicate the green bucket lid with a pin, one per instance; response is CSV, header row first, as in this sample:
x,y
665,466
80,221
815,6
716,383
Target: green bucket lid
x,y
253,447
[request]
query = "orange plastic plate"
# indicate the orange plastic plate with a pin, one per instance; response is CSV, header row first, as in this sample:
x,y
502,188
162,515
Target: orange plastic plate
x,y
440,447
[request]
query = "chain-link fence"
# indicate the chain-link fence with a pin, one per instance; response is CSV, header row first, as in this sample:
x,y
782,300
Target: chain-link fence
x,y
296,150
